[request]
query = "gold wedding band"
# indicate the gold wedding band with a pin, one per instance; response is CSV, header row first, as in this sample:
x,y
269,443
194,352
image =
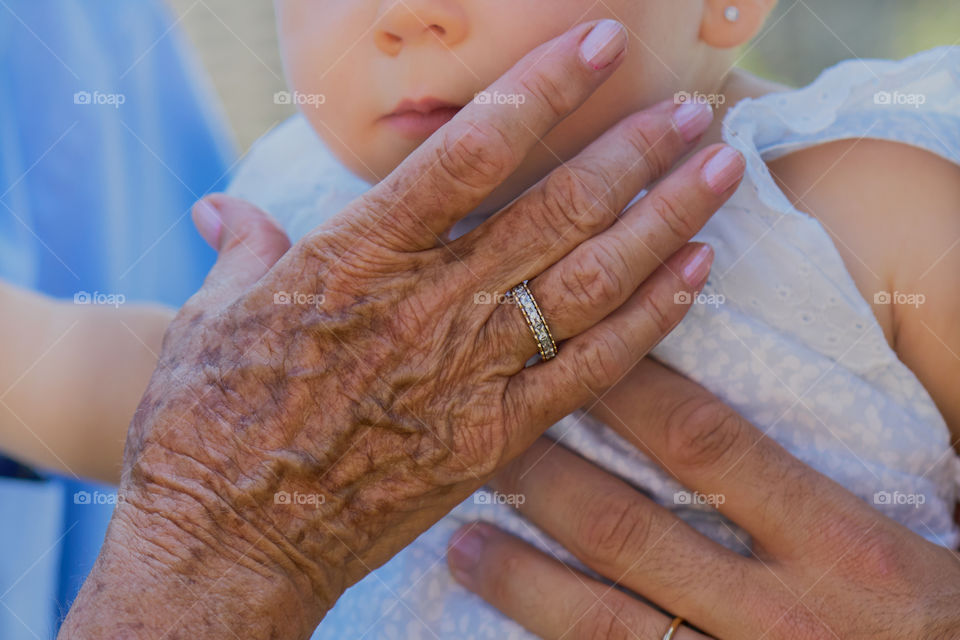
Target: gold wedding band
x,y
538,326
673,628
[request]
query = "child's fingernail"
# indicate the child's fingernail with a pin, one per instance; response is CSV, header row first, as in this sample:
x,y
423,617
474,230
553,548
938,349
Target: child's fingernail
x,y
692,119
208,222
724,169
697,267
466,548
604,43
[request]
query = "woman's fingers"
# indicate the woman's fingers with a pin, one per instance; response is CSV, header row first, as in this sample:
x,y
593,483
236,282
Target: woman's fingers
x,y
708,447
583,196
463,162
593,361
549,599
624,536
600,274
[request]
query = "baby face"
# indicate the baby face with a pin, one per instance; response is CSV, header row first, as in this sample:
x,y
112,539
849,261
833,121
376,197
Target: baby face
x,y
376,78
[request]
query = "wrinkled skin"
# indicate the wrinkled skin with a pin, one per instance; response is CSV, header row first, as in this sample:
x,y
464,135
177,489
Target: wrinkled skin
x,y
283,451
329,401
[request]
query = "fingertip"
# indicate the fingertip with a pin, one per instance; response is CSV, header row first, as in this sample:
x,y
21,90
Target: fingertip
x,y
603,44
208,221
697,264
244,223
692,119
724,169
465,552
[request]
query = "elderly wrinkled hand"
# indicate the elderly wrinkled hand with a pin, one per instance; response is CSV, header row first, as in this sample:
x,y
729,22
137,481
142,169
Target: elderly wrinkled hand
x,y
317,407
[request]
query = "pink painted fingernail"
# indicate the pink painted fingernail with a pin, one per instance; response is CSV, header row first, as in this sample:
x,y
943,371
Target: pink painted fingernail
x,y
692,119
724,169
466,549
604,43
697,267
208,222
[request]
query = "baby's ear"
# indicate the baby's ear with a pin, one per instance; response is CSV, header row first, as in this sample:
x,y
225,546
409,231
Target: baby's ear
x,y
730,23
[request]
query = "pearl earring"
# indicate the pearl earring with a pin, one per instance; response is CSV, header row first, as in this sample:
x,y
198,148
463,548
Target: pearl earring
x,y
732,14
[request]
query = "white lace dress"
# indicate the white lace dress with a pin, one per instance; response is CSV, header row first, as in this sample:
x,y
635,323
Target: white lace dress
x,y
782,335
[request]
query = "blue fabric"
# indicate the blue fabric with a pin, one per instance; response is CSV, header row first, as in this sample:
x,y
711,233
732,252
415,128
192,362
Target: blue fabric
x,y
107,136
31,538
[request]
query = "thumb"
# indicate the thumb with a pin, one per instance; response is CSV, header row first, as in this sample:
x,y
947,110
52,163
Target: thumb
x,y
249,243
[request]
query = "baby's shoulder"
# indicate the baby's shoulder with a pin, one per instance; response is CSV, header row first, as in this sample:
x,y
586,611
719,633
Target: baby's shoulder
x,y
893,213
871,149
888,206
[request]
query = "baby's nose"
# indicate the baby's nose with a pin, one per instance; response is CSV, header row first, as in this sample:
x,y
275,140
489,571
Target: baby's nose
x,y
409,22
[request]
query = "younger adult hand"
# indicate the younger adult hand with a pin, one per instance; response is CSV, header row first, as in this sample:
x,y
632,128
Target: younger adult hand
x,y
825,564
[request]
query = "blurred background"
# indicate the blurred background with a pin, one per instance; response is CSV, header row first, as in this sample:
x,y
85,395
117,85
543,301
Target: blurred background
x,y
237,44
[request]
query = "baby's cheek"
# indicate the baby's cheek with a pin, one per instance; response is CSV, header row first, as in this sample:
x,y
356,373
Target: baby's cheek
x,y
358,145
318,40
325,84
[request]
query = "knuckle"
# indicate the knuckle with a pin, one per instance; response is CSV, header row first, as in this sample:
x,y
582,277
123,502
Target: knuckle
x,y
594,280
599,362
650,140
701,431
475,158
674,215
882,555
481,450
568,202
610,529
548,92
330,241
321,249
663,313
879,558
